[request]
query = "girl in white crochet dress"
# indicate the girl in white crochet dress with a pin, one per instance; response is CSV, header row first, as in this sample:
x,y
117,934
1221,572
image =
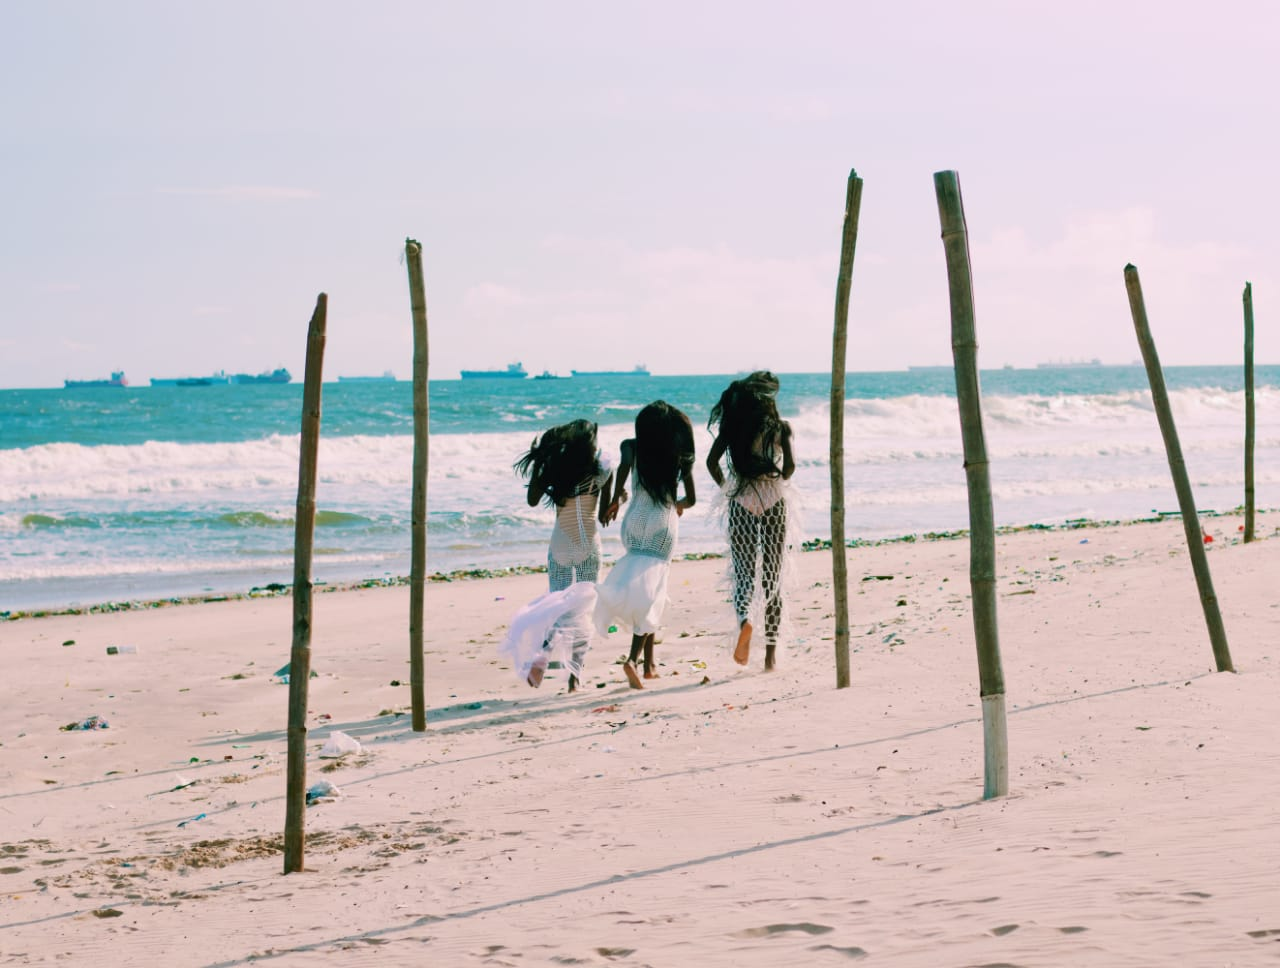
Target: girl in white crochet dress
x,y
634,593
565,468
758,443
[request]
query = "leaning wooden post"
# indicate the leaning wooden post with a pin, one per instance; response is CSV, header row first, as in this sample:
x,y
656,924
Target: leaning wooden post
x,y
839,564
1248,413
982,533
295,806
1178,468
418,516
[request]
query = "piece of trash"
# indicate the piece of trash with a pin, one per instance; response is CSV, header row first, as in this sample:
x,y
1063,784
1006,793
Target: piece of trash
x,y
698,664
395,682
1208,538
93,722
107,913
121,649
73,641
606,709
199,816
182,783
705,680
1084,540
194,759
283,673
324,790
339,744
501,598
475,705
613,628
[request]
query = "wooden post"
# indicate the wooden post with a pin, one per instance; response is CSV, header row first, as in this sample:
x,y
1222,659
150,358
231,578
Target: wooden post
x,y
1178,468
982,534
839,564
418,516
1249,509
300,653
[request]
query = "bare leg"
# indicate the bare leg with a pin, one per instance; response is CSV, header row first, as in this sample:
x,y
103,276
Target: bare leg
x,y
539,668
629,667
743,526
650,672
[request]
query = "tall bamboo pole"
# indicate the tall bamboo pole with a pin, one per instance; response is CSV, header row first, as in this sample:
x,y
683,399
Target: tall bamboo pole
x,y
839,564
418,517
1249,509
300,653
1178,469
982,534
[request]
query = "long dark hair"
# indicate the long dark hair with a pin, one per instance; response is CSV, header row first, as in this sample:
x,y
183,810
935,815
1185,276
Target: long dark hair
x,y
664,450
747,413
562,459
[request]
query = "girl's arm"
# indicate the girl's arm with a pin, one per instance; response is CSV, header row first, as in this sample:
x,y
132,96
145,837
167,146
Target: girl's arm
x,y
624,471
713,459
690,498
788,461
605,504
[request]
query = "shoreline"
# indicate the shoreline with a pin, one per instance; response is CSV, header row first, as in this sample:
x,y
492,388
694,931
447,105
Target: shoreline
x,y
284,589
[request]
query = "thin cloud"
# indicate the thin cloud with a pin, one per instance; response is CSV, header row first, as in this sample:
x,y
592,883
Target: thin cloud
x,y
244,193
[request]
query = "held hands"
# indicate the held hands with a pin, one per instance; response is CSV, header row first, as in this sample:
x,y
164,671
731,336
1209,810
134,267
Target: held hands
x,y
618,500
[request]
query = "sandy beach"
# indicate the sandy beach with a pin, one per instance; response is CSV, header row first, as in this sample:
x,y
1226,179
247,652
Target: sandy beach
x,y
720,816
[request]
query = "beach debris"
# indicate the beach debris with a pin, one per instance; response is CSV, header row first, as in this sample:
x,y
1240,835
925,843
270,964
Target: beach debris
x,y
93,722
199,816
324,790
339,744
107,913
121,649
396,682
69,642
606,709
180,783
282,674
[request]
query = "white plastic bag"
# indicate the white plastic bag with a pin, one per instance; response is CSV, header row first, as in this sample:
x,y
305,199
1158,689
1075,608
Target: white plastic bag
x,y
338,745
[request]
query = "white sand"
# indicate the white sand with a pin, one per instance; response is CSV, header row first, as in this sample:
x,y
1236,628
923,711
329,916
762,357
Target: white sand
x,y
752,820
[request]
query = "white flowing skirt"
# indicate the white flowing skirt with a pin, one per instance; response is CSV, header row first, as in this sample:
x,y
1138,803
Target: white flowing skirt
x,y
633,595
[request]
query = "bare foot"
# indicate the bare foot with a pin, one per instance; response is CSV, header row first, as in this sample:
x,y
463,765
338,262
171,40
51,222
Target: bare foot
x,y
573,683
632,676
742,653
770,658
650,674
535,675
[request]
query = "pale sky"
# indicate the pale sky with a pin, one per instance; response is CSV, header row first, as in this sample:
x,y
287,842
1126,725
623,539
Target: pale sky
x,y
600,184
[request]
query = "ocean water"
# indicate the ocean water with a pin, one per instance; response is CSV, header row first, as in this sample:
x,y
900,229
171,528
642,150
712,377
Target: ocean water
x,y
153,492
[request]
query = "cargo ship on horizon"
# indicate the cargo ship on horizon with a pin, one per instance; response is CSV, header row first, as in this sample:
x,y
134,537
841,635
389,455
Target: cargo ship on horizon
x,y
118,379
638,370
514,371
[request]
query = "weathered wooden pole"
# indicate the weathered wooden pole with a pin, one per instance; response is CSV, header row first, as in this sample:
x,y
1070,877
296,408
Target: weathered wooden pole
x,y
839,564
1249,509
1178,468
295,806
982,532
418,516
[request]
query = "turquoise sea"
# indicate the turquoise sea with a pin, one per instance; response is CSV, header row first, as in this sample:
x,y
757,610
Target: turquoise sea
x,y
153,492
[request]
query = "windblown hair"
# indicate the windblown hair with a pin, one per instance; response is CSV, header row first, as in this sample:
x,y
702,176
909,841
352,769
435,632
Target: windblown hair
x,y
562,459
664,450
747,414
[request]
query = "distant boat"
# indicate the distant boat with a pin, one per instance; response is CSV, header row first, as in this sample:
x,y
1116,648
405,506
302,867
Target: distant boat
x,y
514,371
387,377
548,375
638,370
117,380
278,375
1061,364
216,379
